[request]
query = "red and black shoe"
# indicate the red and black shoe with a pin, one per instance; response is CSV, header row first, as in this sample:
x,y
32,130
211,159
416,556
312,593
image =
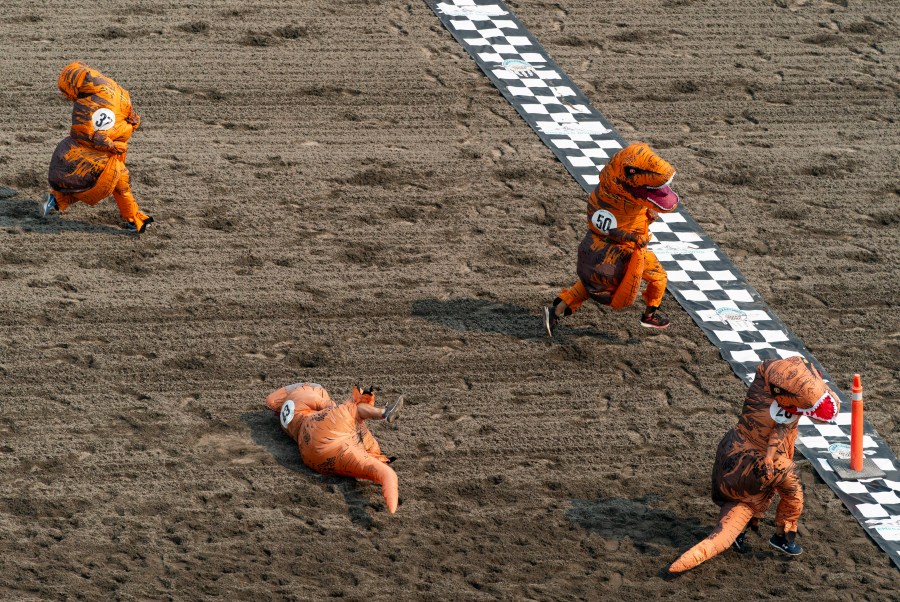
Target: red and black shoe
x,y
654,319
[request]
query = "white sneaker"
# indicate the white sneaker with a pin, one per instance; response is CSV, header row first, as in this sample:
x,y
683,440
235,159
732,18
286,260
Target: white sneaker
x,y
49,205
392,410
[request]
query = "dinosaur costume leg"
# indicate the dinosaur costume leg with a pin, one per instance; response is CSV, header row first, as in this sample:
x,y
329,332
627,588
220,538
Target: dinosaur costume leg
x,y
277,397
128,207
574,296
790,506
655,277
732,520
63,200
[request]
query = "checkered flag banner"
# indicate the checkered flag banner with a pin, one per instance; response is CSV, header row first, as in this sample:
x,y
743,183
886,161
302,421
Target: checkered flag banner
x,y
701,277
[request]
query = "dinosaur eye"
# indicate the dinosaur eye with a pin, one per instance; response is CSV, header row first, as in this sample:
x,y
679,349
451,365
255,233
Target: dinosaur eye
x,y
776,390
630,171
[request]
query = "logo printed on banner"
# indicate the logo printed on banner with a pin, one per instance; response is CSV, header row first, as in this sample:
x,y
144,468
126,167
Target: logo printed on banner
x,y
888,528
519,68
780,415
675,248
103,119
604,221
839,451
732,314
287,413
490,10
566,129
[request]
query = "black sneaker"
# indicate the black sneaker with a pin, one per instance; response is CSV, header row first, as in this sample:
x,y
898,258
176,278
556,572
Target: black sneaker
x,y
131,226
550,319
654,319
740,544
786,544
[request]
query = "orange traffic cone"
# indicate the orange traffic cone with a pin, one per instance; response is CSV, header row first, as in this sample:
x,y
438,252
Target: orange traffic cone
x,y
856,425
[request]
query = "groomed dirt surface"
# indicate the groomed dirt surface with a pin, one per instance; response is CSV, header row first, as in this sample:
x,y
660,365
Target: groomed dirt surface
x,y
342,197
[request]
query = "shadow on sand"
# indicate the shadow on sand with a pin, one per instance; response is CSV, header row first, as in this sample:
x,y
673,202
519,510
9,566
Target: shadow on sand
x,y
617,518
469,315
23,213
265,431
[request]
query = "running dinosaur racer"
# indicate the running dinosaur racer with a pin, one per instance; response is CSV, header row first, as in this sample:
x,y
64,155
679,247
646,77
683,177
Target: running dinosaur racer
x,y
755,459
89,164
613,257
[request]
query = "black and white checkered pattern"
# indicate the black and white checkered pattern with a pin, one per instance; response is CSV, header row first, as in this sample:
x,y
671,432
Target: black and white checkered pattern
x,y
716,295
876,502
734,317
544,95
701,277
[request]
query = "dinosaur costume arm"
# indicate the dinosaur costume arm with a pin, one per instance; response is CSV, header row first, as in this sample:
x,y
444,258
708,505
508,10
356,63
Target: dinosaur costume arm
x,y
114,140
618,220
778,439
623,237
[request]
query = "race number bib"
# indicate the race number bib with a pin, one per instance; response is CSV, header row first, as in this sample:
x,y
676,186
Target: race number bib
x,y
604,221
780,415
103,119
287,413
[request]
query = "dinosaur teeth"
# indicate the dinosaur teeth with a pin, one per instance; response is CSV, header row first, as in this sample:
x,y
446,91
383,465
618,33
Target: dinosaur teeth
x,y
667,182
827,415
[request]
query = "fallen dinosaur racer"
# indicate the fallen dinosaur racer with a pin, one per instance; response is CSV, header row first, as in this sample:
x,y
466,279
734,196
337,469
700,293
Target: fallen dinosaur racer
x,y
334,439
613,257
755,459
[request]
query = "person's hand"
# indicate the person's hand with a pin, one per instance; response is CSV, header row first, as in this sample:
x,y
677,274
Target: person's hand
x,y
640,241
769,466
134,119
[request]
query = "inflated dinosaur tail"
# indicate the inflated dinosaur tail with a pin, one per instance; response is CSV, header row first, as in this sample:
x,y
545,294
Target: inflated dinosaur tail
x,y
732,520
631,282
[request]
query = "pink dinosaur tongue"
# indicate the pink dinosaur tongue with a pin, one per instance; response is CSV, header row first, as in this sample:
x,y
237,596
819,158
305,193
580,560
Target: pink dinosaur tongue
x,y
664,197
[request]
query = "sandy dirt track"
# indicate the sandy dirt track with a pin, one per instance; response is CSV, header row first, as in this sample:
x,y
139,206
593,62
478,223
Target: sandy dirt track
x,y
342,197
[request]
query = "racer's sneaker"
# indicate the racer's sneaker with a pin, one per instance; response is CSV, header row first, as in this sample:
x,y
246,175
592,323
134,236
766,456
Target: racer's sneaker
x,y
653,319
392,410
139,224
740,544
49,205
786,544
550,319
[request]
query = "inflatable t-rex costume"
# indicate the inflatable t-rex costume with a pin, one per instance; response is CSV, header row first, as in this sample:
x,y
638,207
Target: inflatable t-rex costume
x,y
334,439
613,257
89,164
755,459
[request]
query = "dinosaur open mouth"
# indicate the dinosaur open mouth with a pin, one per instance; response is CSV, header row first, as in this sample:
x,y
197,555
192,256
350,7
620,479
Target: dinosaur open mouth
x,y
825,410
661,196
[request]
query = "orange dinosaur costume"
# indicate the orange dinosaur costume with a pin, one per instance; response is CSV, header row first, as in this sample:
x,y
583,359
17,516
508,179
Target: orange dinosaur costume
x,y
613,256
334,439
755,459
89,164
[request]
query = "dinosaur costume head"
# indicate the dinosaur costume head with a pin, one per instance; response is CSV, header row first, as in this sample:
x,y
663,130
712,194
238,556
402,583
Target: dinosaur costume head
x,y
799,389
71,80
639,175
